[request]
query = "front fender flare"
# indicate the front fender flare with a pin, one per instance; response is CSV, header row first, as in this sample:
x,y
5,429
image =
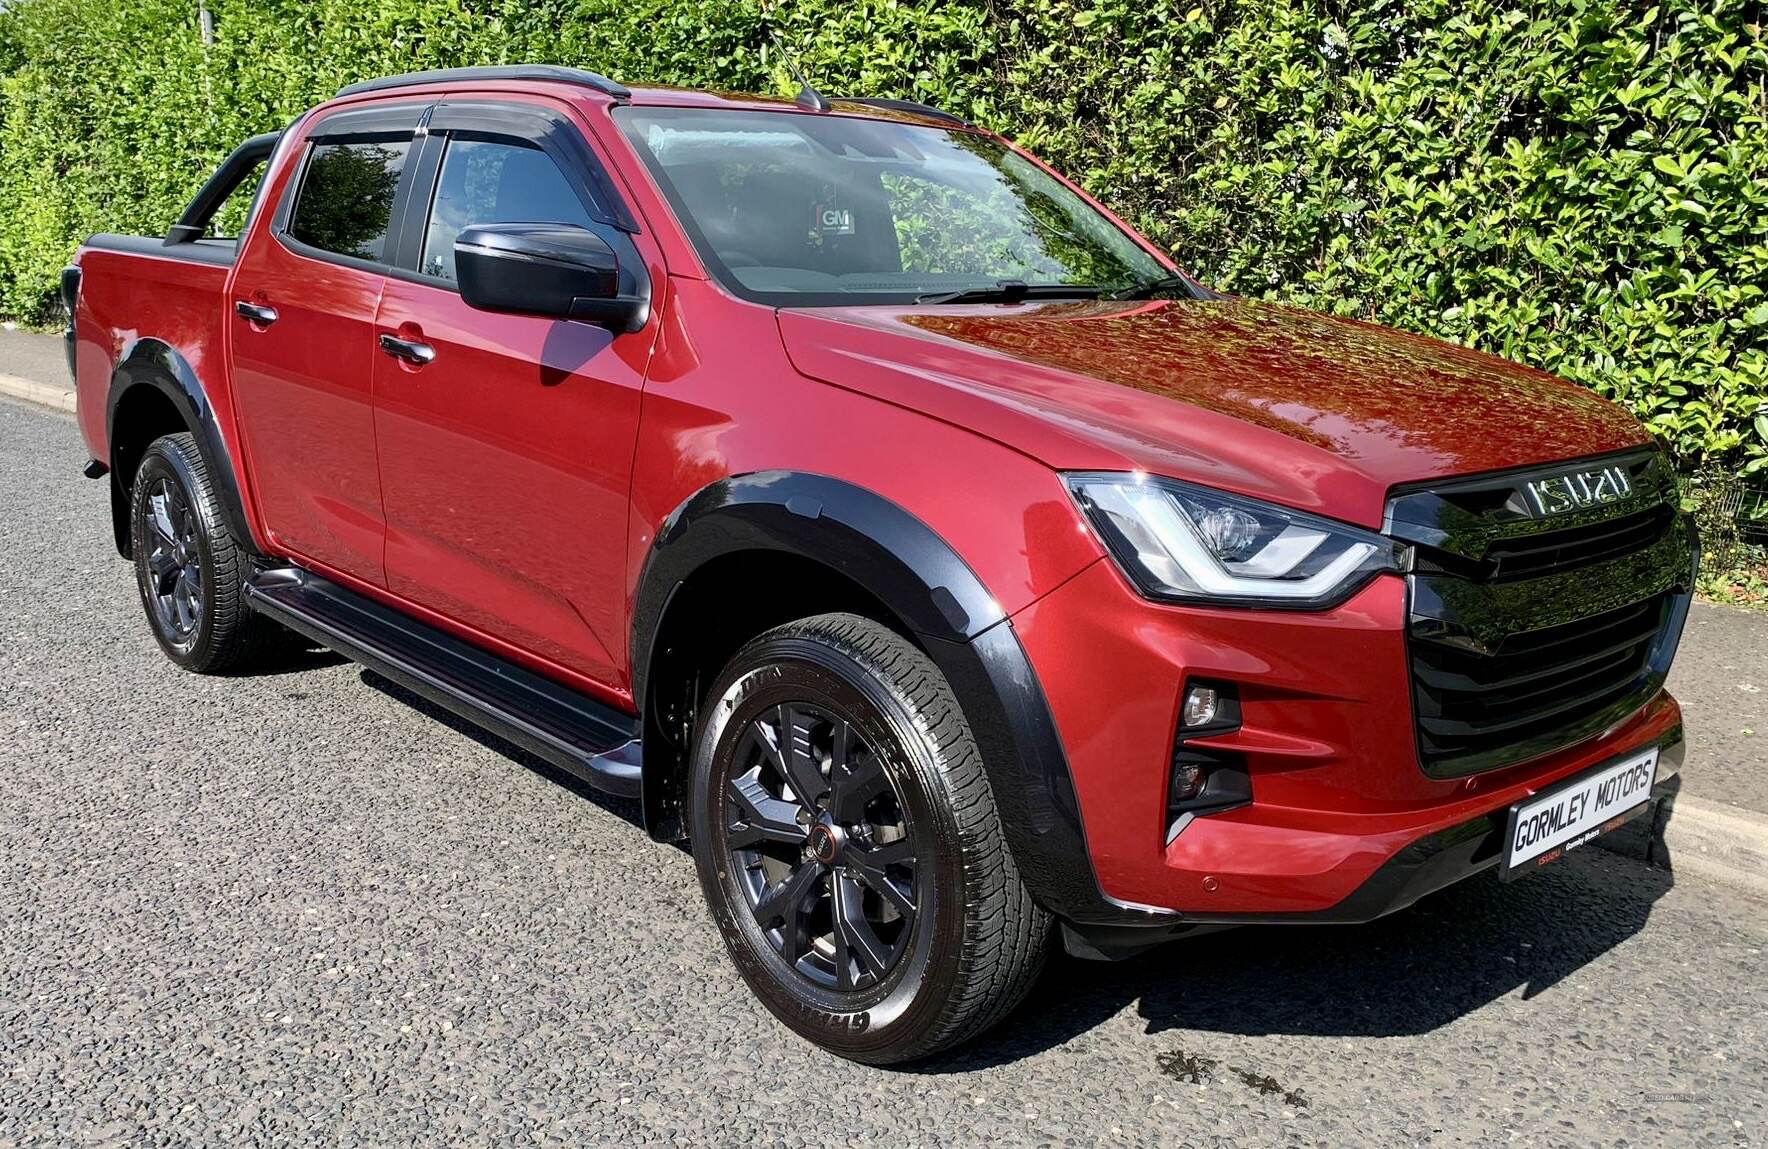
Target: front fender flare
x,y
931,590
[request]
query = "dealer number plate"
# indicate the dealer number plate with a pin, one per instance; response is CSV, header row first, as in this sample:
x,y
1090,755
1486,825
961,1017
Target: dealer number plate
x,y
1544,827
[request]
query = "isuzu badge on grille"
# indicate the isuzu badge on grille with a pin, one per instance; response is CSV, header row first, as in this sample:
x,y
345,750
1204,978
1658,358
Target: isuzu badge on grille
x,y
1576,490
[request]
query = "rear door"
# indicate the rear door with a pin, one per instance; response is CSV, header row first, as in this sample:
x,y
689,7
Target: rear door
x,y
506,458
302,343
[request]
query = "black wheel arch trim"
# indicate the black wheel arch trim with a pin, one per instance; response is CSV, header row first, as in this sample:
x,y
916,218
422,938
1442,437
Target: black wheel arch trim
x,y
918,576
152,362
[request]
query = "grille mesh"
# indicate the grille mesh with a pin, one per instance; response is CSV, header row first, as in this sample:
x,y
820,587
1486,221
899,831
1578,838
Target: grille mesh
x,y
1536,683
1551,552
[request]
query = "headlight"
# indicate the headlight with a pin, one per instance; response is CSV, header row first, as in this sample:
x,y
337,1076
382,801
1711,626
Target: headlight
x,y
1191,544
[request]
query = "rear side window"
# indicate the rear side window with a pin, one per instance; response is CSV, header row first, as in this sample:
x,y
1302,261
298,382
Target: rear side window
x,y
494,181
345,202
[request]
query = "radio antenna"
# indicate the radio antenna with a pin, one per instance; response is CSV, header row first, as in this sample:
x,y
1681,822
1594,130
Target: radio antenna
x,y
808,97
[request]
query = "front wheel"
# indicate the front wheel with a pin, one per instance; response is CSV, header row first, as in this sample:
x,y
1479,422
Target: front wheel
x,y
848,845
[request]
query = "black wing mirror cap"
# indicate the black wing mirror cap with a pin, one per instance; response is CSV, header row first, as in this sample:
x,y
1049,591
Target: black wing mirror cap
x,y
555,270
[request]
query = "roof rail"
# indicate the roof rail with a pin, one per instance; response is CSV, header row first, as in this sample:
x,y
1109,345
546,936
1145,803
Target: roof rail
x,y
553,72
906,106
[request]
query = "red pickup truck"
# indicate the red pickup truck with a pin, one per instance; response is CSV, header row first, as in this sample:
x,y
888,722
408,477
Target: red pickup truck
x,y
888,519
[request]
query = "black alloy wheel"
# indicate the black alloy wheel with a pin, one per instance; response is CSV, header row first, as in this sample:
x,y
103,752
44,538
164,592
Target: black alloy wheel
x,y
823,846
174,563
191,572
848,845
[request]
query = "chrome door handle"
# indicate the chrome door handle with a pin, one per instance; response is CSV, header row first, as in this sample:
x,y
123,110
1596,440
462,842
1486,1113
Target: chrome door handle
x,y
255,312
410,350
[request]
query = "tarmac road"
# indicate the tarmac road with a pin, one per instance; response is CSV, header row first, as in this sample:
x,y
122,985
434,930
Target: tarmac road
x,y
304,908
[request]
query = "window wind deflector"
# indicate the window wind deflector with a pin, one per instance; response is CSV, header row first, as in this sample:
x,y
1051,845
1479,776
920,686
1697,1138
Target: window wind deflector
x,y
1012,291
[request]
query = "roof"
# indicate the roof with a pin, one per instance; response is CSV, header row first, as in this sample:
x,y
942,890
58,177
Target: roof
x,y
651,95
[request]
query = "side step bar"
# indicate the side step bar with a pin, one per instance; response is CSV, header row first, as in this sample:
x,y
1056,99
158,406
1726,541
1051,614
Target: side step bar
x,y
579,735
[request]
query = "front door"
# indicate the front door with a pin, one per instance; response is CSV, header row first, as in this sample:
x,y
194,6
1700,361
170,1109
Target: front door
x,y
302,339
506,458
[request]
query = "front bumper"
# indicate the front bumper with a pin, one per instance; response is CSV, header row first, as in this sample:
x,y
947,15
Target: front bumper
x,y
1427,865
1343,826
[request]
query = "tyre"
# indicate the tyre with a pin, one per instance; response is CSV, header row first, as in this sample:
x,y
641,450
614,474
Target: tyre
x,y
848,845
189,569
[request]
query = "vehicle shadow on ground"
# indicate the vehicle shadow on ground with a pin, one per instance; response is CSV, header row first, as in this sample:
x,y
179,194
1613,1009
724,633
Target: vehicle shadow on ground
x,y
624,808
1407,974
291,654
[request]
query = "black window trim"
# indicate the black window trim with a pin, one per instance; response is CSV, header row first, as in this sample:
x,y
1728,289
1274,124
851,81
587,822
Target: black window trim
x,y
405,244
375,123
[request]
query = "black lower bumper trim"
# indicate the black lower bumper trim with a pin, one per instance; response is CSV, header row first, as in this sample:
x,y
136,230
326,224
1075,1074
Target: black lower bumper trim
x,y
1427,865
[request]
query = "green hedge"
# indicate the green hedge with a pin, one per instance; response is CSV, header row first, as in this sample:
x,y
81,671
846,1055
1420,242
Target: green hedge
x,y
1578,185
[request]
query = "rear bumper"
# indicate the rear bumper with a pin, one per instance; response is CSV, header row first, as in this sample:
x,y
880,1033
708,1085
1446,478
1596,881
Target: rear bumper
x,y
1344,826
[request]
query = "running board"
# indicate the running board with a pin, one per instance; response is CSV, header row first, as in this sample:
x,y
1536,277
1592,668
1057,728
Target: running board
x,y
581,736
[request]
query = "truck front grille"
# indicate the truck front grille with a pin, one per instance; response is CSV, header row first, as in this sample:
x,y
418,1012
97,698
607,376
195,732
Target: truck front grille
x,y
1535,687
1528,634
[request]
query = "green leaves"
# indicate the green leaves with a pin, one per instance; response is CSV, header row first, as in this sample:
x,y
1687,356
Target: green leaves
x,y
1581,185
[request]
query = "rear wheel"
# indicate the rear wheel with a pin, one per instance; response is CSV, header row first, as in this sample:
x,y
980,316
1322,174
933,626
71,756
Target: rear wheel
x,y
190,571
848,844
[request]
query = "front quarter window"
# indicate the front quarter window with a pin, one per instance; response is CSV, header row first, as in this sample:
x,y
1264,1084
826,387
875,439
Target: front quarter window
x,y
813,210
494,181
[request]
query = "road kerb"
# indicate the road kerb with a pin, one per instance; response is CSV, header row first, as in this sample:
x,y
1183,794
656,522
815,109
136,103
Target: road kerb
x,y
31,391
1690,836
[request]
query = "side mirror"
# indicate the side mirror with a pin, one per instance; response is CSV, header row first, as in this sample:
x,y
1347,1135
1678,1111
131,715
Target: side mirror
x,y
552,269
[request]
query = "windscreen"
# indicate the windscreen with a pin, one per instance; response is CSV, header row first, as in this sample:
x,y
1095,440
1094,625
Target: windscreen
x,y
815,210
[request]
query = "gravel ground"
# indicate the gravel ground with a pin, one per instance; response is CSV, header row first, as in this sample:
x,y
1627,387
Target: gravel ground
x,y
304,908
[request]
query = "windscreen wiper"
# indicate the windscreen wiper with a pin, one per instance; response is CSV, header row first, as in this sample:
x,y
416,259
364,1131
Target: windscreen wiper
x,y
1154,287
1012,291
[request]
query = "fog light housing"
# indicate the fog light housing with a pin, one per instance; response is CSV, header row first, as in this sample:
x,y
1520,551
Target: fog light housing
x,y
1189,778
1207,780
1204,779
1208,708
1200,706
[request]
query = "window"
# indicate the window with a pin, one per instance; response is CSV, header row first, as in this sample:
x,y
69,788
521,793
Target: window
x,y
346,197
791,209
494,181
964,227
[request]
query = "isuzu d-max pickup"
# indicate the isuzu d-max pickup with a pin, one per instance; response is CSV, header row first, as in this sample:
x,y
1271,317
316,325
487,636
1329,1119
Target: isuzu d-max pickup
x,y
886,518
